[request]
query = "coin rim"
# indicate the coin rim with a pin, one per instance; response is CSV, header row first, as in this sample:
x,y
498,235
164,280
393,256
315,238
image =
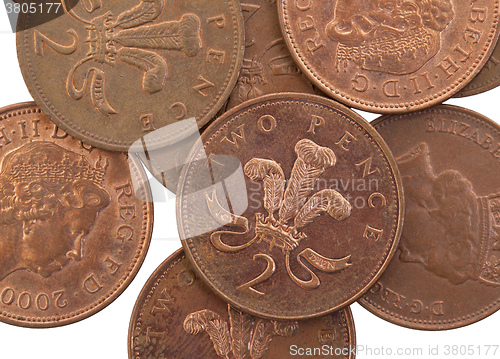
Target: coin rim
x,y
328,103
97,307
483,86
146,288
161,271
73,128
455,323
381,107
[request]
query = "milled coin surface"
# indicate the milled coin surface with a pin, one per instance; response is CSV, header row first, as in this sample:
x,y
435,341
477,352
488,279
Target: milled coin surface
x,y
487,79
177,316
74,231
389,56
445,272
109,73
291,196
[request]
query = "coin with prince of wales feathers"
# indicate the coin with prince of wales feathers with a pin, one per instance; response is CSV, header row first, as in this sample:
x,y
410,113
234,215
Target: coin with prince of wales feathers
x,y
307,219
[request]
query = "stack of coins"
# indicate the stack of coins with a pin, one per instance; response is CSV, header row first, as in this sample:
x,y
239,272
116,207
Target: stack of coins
x,y
290,206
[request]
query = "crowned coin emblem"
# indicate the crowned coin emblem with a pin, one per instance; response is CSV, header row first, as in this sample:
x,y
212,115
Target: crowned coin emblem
x,y
245,337
290,207
128,38
396,37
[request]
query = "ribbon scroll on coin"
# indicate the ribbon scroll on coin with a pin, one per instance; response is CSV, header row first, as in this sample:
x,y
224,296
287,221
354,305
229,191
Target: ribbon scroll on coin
x,y
311,214
390,56
445,273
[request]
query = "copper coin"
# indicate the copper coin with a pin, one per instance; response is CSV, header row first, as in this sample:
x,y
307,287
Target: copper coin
x,y
389,56
177,316
488,78
74,233
268,66
445,272
291,196
109,73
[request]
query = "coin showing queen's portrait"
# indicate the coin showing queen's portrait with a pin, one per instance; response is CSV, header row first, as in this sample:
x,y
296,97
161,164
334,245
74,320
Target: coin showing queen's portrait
x,y
50,199
446,271
390,56
74,229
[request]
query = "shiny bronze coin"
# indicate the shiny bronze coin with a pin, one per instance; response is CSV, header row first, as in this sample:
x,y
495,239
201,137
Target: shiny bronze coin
x,y
388,56
445,273
488,78
74,232
292,206
109,73
177,316
268,66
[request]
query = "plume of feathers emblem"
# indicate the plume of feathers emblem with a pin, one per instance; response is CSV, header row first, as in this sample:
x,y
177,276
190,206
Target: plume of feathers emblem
x,y
291,203
246,338
129,30
312,161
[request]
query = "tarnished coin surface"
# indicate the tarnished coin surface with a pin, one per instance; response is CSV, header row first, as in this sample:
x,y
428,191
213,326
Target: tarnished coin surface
x,y
74,231
388,56
177,316
445,273
488,78
111,72
291,208
268,66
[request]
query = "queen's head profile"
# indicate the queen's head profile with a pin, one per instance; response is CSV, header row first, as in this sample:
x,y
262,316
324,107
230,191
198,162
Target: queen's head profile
x,y
50,198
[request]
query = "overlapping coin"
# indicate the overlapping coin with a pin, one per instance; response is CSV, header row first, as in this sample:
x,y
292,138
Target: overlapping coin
x,y
445,273
389,56
74,231
268,66
177,316
291,208
488,78
111,72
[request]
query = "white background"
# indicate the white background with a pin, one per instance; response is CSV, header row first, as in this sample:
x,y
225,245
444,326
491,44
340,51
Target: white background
x,y
104,335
